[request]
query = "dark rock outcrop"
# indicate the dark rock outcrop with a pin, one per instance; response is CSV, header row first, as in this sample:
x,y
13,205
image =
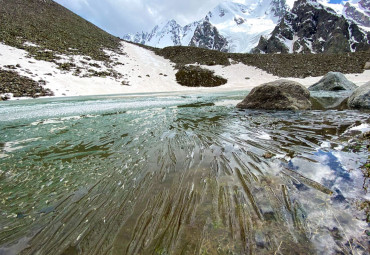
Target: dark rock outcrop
x,y
194,76
360,99
279,8
207,36
333,81
312,28
278,95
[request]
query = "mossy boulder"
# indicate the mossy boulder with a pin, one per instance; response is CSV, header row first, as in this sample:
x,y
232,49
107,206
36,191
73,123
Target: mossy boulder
x,y
278,95
194,76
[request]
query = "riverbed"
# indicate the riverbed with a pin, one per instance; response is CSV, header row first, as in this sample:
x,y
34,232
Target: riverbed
x,y
172,173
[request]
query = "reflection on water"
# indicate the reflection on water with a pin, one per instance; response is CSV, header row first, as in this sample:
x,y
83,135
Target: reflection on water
x,y
178,175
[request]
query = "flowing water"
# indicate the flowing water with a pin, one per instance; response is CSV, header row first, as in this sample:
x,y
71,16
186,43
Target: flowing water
x,y
178,174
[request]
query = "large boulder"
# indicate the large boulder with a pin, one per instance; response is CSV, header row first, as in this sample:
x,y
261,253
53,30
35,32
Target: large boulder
x,y
278,95
360,99
333,81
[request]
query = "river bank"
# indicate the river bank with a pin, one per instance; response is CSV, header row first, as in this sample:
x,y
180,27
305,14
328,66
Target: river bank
x,y
134,70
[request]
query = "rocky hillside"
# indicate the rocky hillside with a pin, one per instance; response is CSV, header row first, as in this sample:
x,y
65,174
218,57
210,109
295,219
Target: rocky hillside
x,y
313,28
43,45
51,27
282,65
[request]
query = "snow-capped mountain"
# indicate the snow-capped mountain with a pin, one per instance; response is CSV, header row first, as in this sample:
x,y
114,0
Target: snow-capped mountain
x,y
235,27
311,27
243,24
357,11
165,34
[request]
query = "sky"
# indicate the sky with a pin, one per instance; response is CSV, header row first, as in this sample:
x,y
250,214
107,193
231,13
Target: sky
x,y
119,17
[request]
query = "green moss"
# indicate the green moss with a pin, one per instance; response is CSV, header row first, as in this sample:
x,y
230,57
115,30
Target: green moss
x,y
190,55
304,65
365,206
20,86
94,65
66,66
193,76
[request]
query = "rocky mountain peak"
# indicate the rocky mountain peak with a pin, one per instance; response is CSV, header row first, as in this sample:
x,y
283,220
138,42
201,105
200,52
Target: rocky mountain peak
x,y
272,26
360,15
207,36
313,28
279,8
366,5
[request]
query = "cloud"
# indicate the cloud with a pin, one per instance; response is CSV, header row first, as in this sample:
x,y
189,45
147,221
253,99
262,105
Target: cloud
x,y
129,16
119,17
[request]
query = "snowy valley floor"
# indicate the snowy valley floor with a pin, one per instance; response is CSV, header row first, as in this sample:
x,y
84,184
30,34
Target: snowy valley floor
x,y
142,72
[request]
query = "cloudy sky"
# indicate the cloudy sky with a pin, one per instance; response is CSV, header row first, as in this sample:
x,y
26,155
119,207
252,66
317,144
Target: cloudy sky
x,y
129,16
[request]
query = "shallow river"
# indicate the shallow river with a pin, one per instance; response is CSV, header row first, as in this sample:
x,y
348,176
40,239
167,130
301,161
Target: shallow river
x,y
178,174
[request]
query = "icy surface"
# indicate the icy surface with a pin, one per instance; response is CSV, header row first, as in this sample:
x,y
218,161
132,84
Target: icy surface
x,y
172,173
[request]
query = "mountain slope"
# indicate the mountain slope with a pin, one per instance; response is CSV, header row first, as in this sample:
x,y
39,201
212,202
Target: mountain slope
x,y
53,27
68,43
313,28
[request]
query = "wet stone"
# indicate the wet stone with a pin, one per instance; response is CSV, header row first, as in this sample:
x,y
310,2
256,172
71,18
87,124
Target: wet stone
x,y
277,95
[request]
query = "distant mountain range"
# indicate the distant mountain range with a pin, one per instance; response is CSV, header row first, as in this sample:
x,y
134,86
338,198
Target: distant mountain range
x,y
270,26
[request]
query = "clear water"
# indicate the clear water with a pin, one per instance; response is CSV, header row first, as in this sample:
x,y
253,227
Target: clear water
x,y
178,174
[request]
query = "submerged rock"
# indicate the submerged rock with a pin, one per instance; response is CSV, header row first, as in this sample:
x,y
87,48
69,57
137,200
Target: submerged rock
x,y
333,81
360,98
278,95
326,103
324,100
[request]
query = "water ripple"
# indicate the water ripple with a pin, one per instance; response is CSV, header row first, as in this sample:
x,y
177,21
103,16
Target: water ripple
x,y
179,175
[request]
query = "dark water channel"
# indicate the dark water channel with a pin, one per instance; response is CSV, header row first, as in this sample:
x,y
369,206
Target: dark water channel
x,y
178,174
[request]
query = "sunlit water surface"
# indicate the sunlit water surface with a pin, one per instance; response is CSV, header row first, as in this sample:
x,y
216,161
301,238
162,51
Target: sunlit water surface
x,y
178,174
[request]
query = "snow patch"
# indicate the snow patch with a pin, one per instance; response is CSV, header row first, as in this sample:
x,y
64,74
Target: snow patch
x,y
363,128
143,72
30,44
